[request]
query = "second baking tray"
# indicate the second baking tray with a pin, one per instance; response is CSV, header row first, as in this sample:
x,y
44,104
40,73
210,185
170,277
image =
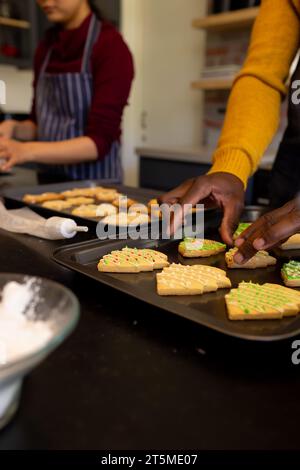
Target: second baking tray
x,y
16,194
141,195
208,310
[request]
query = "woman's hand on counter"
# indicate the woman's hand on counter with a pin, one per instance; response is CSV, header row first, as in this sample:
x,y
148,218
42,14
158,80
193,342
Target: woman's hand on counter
x,y
51,153
268,231
14,152
222,189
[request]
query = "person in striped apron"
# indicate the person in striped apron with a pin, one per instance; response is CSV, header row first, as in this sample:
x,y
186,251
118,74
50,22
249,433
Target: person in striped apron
x,y
83,76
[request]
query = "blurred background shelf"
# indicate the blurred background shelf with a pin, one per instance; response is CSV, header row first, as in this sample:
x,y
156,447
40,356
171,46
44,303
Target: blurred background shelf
x,y
213,84
22,24
228,20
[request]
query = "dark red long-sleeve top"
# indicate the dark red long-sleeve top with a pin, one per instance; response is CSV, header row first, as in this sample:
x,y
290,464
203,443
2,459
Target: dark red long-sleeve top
x,y
113,73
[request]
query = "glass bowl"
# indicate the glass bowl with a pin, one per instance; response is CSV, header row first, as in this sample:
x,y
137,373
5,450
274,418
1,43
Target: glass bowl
x,y
59,308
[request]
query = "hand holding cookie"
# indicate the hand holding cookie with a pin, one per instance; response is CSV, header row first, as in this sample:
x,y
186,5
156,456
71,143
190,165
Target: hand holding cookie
x,y
269,231
223,190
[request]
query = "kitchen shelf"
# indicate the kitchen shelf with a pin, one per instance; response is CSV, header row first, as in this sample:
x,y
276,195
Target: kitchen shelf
x,y
228,20
213,84
22,24
28,27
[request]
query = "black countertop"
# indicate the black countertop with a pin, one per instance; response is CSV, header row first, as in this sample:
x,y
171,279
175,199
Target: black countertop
x,y
135,377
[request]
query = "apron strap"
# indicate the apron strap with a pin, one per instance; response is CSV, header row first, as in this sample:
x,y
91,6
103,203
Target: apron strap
x,y
46,62
93,34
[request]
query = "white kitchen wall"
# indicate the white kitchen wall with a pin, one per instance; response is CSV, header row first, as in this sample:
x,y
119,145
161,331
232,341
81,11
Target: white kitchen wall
x,y
18,89
163,111
132,14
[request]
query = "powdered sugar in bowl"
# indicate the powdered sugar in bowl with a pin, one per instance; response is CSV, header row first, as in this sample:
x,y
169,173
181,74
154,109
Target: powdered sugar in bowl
x,y
36,316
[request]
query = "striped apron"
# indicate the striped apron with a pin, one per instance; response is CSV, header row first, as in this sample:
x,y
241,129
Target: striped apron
x,y
62,106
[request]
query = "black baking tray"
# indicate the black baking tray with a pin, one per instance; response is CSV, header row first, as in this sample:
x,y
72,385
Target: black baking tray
x,y
208,310
287,255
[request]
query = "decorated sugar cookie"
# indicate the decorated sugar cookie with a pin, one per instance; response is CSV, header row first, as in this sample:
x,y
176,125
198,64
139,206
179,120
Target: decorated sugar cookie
x,y
179,279
291,274
132,260
159,260
200,248
261,302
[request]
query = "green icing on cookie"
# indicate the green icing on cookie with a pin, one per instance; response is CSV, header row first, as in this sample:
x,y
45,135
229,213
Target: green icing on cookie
x,y
191,244
291,270
257,297
241,228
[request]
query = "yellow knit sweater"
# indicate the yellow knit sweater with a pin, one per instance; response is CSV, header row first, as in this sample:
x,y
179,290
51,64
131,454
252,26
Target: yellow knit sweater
x,y
253,111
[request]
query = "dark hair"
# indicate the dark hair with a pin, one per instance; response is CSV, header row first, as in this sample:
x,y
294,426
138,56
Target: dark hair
x,y
95,9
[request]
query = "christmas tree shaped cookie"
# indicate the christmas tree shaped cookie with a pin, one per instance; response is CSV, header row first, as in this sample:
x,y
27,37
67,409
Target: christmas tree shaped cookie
x,y
261,302
190,280
132,260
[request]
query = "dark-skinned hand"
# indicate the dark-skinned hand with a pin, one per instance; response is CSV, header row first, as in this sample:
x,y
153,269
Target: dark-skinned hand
x,y
223,190
268,231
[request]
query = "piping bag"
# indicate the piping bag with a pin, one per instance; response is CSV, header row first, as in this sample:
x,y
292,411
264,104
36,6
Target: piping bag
x,y
26,221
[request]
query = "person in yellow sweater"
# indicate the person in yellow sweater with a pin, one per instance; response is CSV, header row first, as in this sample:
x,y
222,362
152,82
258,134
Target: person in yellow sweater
x,y
251,121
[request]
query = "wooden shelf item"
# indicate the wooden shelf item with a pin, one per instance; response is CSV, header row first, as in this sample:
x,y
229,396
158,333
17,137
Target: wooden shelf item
x,y
228,20
22,24
213,84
